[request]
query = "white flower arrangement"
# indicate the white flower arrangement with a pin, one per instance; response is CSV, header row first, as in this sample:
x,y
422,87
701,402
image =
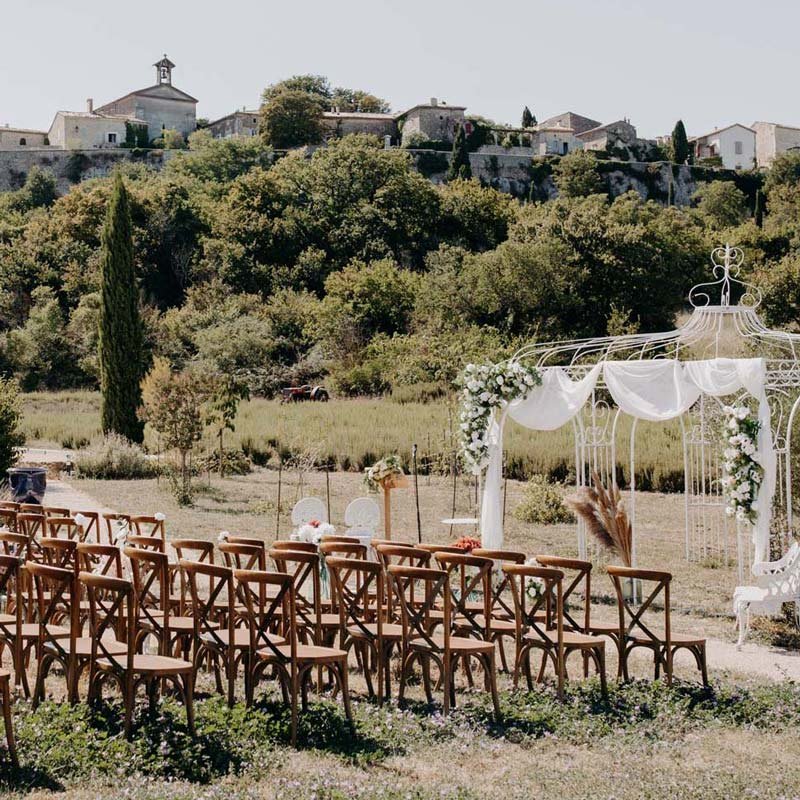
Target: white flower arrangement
x,y
313,531
485,388
159,517
380,470
223,536
534,587
743,471
121,533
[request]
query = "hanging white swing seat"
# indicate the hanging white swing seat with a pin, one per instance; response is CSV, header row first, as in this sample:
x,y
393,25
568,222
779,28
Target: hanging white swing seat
x,y
777,582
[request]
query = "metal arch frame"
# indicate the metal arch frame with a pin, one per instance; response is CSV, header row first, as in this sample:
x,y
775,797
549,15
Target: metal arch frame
x,y
710,331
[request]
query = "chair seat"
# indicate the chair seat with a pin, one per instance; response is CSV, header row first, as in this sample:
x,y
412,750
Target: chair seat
x,y
30,630
459,644
308,653
326,620
571,639
163,665
677,639
390,631
495,625
182,625
83,646
241,638
605,628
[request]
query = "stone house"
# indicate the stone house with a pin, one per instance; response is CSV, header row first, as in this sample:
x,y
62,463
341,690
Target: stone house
x,y
772,139
569,120
21,138
734,144
436,121
340,123
90,129
604,137
161,106
242,123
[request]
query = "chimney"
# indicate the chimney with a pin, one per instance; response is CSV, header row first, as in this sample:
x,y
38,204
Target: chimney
x,y
90,105
434,101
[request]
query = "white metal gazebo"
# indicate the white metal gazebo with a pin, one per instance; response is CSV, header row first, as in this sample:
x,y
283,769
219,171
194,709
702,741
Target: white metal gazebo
x,y
721,350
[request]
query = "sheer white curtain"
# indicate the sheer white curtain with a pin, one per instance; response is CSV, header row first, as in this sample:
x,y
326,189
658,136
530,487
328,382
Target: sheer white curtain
x,y
656,390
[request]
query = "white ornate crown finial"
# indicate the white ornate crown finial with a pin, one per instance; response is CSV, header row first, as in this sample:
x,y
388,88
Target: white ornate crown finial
x,y
727,263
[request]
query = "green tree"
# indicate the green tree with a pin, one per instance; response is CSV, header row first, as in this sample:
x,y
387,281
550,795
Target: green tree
x,y
358,100
473,216
120,338
291,119
679,144
172,139
784,171
222,405
172,404
528,119
459,161
576,175
308,84
11,436
721,204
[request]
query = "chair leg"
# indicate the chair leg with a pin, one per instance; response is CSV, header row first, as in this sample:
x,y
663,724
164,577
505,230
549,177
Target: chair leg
x,y
130,700
491,672
7,720
447,678
362,656
188,699
503,662
601,663
425,665
345,690
703,664
295,691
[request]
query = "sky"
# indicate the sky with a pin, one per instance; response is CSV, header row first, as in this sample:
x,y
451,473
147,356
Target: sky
x,y
710,63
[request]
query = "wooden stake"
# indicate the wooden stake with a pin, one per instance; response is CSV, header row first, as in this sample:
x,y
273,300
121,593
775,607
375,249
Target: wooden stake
x,y
455,488
328,491
278,513
416,491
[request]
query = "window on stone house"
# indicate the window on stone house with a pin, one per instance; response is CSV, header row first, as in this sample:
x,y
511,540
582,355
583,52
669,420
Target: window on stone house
x,y
23,142
112,138
737,148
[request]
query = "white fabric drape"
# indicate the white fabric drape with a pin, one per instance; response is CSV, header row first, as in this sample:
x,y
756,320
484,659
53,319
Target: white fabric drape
x,y
656,390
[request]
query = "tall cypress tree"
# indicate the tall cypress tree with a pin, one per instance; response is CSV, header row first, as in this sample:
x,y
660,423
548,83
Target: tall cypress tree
x,y
120,340
528,120
680,143
459,163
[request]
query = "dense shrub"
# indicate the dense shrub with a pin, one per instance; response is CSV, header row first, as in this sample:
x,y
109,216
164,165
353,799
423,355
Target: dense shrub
x,y
11,437
542,504
115,458
234,462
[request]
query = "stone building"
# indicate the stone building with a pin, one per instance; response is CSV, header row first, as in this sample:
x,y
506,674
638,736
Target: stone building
x,y
605,137
340,123
21,138
162,106
234,125
436,121
735,145
569,120
772,139
90,129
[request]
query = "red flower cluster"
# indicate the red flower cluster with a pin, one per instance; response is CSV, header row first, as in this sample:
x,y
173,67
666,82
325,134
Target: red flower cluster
x,y
314,523
467,543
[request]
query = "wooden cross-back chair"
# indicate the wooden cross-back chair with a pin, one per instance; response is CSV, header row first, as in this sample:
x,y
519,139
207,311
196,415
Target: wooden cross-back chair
x,y
468,576
211,640
546,632
32,525
57,552
442,648
31,508
402,555
358,588
246,556
14,544
635,628
8,519
12,628
293,660
9,505
113,607
150,543
304,569
146,525
114,524
100,559
298,547
5,701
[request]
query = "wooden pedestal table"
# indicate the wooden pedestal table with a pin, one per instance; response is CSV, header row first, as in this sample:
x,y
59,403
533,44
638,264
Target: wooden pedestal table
x,y
387,484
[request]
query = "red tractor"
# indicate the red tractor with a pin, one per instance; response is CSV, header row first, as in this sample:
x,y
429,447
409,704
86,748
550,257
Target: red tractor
x,y
298,394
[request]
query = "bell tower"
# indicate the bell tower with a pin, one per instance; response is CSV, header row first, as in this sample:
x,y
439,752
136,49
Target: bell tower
x,y
164,71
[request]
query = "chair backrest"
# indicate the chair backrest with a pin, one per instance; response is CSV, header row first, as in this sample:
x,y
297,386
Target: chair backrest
x,y
418,591
528,608
298,547
357,592
9,505
502,601
362,515
194,574
8,519
469,575
579,576
403,556
349,549
242,555
31,524
111,611
150,570
11,587
31,508
440,548
64,528
115,525
335,537
152,544
632,619
267,610
146,525
100,559
53,511
193,550
91,527
14,544
59,553
56,595
376,543
304,569
308,509
253,540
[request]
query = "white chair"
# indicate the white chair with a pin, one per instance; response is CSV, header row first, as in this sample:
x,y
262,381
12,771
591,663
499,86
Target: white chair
x,y
362,517
777,582
307,509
